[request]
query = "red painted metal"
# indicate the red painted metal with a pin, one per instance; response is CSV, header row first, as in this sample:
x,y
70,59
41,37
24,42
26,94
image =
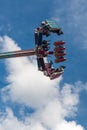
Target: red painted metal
x,y
59,43
59,48
60,60
59,54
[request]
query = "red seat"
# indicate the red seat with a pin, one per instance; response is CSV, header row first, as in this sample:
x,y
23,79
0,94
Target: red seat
x,y
59,60
59,54
59,43
59,48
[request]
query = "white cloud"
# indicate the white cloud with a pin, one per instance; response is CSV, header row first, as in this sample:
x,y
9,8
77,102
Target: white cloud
x,y
69,126
10,122
28,86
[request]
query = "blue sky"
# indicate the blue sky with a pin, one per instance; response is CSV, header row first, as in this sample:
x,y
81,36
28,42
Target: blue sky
x,y
29,100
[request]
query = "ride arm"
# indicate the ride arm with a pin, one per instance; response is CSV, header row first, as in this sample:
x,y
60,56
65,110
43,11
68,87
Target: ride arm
x,y
19,53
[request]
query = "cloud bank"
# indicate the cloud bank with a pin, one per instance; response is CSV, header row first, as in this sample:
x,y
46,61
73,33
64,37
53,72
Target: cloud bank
x,y
28,86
